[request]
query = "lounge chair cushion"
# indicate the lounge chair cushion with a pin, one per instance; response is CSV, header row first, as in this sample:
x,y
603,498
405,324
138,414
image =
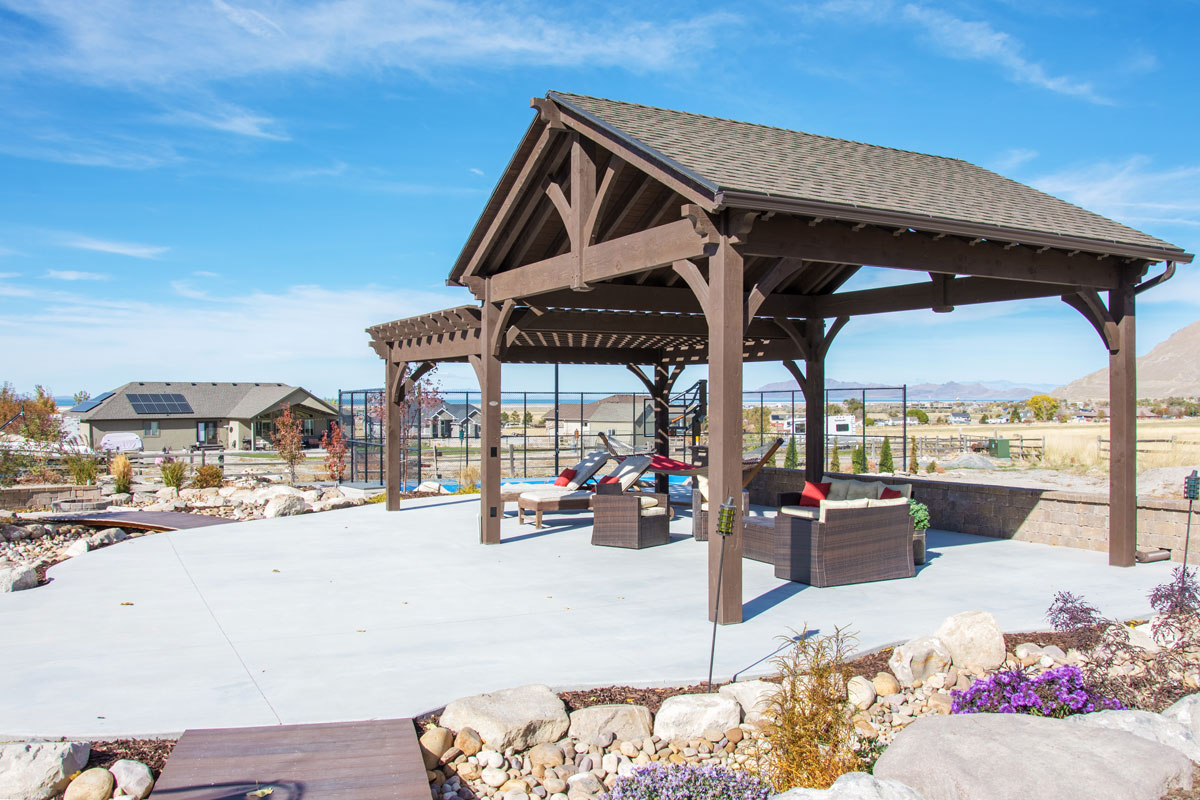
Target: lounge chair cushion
x,y
551,493
891,501
826,505
565,477
657,511
647,502
628,472
701,484
801,511
588,467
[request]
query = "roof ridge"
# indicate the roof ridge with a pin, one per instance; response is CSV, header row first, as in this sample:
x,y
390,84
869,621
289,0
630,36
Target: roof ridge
x,y
766,127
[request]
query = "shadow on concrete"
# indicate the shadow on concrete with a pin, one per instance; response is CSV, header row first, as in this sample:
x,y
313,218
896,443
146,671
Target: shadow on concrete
x,y
769,599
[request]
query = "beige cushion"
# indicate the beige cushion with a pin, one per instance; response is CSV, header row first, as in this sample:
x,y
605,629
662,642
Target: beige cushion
x,y
566,494
646,501
808,512
586,468
654,512
838,488
826,505
903,488
863,490
541,494
891,501
701,484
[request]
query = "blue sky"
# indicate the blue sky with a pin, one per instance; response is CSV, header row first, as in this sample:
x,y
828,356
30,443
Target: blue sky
x,y
220,190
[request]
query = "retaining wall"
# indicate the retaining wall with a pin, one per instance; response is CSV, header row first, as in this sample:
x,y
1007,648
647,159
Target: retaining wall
x,y
14,498
1070,519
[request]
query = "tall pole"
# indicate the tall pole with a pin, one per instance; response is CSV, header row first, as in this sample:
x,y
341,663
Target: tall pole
x,y
556,419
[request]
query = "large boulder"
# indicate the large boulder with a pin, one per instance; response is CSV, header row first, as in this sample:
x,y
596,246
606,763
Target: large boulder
x,y
624,722
285,505
688,716
1002,756
753,696
973,638
919,658
517,718
14,533
16,577
1187,713
133,778
854,786
39,770
107,536
278,490
1153,727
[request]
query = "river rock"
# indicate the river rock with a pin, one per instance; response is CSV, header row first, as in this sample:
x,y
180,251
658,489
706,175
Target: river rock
x,y
107,536
39,770
494,777
687,716
885,683
133,778
519,718
92,784
285,505
973,638
542,756
17,577
434,742
1150,726
861,692
469,741
1003,756
753,696
1187,713
854,786
591,725
585,782
919,658
77,548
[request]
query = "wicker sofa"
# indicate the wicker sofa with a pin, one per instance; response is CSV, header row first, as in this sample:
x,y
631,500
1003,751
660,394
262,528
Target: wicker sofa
x,y
843,542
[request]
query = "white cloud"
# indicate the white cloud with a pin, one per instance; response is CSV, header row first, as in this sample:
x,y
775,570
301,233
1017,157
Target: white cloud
x,y
185,289
337,168
203,273
308,335
230,119
8,275
1131,191
119,43
115,152
475,171
1012,158
118,248
75,275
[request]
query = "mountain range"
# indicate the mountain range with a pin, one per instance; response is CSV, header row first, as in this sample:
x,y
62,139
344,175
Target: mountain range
x,y
953,390
1171,369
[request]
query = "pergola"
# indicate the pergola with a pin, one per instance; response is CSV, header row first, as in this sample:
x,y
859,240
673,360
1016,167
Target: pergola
x,y
651,238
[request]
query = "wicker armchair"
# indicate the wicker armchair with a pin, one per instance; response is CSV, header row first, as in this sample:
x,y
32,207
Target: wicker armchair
x,y
626,519
845,545
700,513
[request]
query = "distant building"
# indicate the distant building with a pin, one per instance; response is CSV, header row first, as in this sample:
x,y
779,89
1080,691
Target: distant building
x,y
617,415
454,421
177,415
960,418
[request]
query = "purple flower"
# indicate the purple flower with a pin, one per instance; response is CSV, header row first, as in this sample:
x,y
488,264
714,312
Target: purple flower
x,y
1059,692
688,782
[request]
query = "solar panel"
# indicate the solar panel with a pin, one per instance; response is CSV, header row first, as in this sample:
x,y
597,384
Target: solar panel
x,y
89,404
159,404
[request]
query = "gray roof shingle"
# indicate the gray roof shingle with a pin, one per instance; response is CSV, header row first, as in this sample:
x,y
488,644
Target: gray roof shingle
x,y
208,400
743,157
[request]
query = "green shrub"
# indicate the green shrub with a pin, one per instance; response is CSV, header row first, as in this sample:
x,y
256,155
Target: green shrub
x,y
122,471
835,461
83,469
886,464
173,473
912,456
858,460
932,468
208,476
790,459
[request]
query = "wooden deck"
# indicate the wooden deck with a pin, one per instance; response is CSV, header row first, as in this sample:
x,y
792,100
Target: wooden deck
x,y
142,520
373,760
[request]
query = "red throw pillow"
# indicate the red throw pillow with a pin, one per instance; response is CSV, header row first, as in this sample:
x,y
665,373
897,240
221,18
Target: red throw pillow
x,y
889,494
814,493
565,477
610,479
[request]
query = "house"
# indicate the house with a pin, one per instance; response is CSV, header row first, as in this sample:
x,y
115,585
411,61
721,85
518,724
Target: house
x,y
616,415
177,415
960,418
454,421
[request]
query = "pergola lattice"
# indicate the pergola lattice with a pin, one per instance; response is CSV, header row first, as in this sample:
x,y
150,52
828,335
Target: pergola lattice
x,y
623,234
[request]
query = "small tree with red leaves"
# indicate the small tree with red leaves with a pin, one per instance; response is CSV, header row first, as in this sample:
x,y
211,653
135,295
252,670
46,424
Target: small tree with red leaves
x,y
334,443
287,440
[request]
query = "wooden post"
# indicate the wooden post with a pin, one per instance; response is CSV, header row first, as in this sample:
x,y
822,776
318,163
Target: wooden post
x,y
724,310
814,408
487,368
1122,460
394,443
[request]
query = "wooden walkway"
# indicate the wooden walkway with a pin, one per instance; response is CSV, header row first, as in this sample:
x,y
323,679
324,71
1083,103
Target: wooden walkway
x,y
142,520
373,760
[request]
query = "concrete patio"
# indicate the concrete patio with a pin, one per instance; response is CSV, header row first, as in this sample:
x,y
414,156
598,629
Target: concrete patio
x,y
360,614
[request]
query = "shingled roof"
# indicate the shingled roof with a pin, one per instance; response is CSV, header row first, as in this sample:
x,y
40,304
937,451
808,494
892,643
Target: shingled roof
x,y
739,162
243,400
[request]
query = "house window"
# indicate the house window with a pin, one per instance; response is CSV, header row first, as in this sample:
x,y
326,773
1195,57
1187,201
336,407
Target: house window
x,y
150,428
206,433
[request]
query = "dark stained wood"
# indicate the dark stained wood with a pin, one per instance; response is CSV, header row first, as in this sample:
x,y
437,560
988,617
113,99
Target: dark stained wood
x,y
374,760
395,372
141,520
487,369
1122,431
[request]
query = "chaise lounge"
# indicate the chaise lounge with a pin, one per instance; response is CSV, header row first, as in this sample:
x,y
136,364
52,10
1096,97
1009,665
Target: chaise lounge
x,y
577,498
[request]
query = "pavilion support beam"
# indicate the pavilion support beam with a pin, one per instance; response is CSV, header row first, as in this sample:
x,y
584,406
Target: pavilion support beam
x,y
394,434
1122,403
487,369
660,387
813,342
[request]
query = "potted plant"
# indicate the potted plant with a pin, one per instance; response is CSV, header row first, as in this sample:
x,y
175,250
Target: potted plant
x,y
920,520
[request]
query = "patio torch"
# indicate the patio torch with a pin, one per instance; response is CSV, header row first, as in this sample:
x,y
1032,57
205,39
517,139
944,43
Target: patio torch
x,y
724,530
1191,490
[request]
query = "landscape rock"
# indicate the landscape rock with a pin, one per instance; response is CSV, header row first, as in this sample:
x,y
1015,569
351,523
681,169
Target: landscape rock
x,y
590,725
854,786
919,658
1187,713
77,548
752,696
1152,727
973,638
107,536
285,505
92,784
687,716
469,741
14,533
1005,756
36,531
517,718
434,742
861,692
17,577
885,683
133,778
39,770
585,782
167,493
542,756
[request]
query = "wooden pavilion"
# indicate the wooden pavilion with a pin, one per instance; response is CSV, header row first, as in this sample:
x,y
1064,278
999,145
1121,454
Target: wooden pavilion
x,y
625,234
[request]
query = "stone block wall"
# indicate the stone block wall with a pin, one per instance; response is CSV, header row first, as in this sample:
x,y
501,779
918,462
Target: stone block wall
x,y
14,498
1069,519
